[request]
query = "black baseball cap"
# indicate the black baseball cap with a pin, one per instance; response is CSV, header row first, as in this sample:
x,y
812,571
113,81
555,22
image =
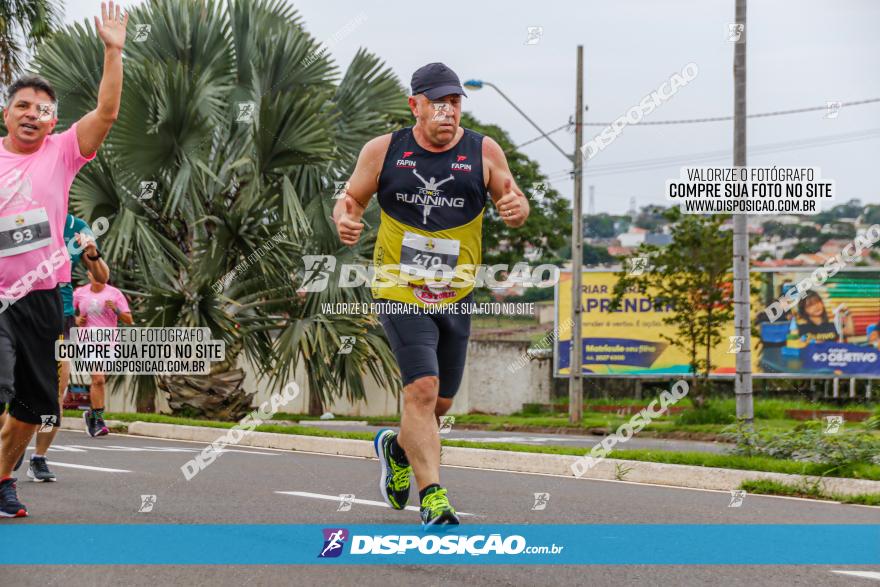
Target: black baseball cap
x,y
435,80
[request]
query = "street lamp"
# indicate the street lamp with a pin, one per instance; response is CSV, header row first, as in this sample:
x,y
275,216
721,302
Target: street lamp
x,y
477,84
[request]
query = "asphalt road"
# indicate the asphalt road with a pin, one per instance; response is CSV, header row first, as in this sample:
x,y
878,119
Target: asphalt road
x,y
247,486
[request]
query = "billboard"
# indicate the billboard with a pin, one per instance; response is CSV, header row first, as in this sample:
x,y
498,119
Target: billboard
x,y
834,331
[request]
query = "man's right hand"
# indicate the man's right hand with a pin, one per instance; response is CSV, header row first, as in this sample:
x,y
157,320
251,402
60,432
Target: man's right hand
x,y
348,223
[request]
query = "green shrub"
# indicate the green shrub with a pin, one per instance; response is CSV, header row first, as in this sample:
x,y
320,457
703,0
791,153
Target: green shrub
x,y
811,443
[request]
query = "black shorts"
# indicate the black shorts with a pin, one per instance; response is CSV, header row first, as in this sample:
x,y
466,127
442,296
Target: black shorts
x,y
28,369
428,343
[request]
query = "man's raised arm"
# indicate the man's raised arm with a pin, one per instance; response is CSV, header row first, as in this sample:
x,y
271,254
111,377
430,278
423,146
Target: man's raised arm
x,y
92,129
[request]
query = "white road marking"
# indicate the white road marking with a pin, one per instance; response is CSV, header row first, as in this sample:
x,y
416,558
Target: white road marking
x,y
380,504
89,468
862,574
118,448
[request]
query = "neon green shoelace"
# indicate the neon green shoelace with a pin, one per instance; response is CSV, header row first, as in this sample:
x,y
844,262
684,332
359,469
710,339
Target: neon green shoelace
x,y
437,501
400,476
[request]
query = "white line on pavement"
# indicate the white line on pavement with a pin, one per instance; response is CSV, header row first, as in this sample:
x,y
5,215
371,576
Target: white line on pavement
x,y
380,504
87,467
862,574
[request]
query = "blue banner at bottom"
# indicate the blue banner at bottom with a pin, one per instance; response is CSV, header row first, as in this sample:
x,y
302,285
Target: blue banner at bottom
x,y
572,544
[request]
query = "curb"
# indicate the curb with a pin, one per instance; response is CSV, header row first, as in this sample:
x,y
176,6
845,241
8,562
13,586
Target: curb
x,y
688,476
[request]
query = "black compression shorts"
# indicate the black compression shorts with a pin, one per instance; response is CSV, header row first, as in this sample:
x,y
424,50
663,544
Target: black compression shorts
x,y
28,369
429,343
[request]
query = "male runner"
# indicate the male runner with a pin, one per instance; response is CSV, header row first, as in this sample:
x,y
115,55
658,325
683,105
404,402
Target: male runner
x,y
81,244
426,223
99,306
36,170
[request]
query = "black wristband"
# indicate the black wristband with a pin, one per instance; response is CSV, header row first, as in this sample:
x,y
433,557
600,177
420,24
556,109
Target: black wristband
x,y
95,258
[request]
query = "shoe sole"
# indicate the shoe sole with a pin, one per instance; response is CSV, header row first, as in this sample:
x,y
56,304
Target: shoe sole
x,y
22,513
102,432
443,520
377,441
33,477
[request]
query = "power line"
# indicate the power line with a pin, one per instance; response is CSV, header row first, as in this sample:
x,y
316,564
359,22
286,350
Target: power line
x,y
706,119
659,162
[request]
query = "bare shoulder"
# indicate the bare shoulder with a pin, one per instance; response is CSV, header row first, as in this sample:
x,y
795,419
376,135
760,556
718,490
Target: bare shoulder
x,y
492,150
376,148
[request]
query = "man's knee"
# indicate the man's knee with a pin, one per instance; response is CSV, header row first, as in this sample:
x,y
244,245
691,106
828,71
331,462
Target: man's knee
x,y
98,379
422,392
443,405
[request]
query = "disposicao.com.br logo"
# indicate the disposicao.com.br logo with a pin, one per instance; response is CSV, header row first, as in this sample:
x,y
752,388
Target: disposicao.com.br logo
x,y
334,540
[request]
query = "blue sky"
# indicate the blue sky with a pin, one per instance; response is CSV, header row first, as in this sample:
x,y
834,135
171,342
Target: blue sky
x,y
801,53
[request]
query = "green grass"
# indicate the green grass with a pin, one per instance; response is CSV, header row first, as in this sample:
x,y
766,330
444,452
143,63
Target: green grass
x,y
666,426
766,487
163,419
698,459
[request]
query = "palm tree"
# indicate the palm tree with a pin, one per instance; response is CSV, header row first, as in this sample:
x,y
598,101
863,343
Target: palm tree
x,y
24,24
228,187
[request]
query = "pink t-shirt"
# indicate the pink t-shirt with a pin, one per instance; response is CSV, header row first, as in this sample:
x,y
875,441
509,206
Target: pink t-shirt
x,y
34,192
93,305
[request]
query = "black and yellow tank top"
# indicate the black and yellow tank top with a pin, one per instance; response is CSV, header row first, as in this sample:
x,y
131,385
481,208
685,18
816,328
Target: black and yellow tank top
x,y
431,231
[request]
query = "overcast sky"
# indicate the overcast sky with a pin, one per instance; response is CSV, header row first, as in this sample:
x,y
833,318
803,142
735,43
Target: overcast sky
x,y
801,53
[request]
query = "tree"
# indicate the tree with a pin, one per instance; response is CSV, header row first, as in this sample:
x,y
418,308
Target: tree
x,y
243,122
692,275
24,24
591,255
550,217
599,226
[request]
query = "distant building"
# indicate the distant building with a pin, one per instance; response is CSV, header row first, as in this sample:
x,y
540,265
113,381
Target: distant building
x,y
633,237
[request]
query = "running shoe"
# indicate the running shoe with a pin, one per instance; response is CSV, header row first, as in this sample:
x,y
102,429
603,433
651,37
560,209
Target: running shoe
x,y
10,507
394,480
101,427
39,470
91,423
436,510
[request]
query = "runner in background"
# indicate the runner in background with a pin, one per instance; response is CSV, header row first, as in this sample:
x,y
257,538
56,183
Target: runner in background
x,y
99,306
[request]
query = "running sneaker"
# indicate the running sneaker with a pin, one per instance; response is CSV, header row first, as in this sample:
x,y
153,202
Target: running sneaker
x,y
436,509
101,427
39,470
95,424
91,423
10,507
394,480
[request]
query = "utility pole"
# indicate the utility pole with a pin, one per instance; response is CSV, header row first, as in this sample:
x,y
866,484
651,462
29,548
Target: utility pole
x,y
741,290
576,381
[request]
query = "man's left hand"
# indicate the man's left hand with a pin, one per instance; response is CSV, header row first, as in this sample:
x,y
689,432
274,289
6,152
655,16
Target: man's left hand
x,y
511,206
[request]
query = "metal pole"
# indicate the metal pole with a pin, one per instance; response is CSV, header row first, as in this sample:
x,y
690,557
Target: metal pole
x,y
576,381
741,290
